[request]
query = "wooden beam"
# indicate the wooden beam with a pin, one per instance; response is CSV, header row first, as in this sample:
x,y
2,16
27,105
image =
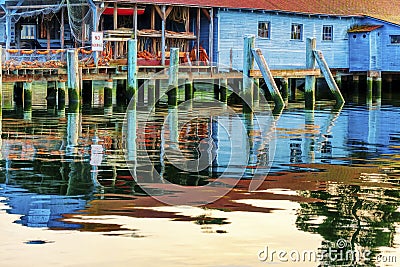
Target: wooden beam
x,y
205,12
294,73
187,22
163,36
157,8
115,16
169,9
198,26
135,21
153,18
211,37
62,29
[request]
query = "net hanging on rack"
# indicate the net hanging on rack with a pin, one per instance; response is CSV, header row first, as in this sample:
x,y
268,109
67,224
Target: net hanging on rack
x,y
80,17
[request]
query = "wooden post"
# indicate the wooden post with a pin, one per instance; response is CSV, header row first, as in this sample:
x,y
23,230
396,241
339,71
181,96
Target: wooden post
x,y
378,86
1,83
188,89
356,84
158,86
151,93
269,80
248,64
72,82
115,16
87,93
135,20
163,35
108,93
285,90
216,89
51,94
328,77
61,94
140,92
223,87
338,80
256,89
62,30
132,70
27,96
121,92
173,77
8,30
292,83
370,84
198,26
211,37
309,93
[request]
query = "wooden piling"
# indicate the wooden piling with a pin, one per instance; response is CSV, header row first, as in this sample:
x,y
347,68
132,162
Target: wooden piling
x,y
121,92
87,93
173,77
328,77
140,92
285,90
292,85
269,80
108,93
51,94
73,81
378,87
1,83
61,94
151,93
216,89
370,84
188,89
27,96
256,90
223,83
248,64
309,89
157,91
338,80
131,87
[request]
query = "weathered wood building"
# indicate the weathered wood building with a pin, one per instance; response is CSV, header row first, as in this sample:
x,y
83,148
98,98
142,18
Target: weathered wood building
x,y
356,36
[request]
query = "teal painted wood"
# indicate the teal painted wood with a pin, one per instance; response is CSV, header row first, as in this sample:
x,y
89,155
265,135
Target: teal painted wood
x,y
132,83
279,50
73,82
248,64
309,88
173,77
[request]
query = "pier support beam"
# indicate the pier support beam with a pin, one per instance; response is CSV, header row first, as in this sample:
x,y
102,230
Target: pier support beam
x,y
338,80
378,87
309,88
27,101
131,87
73,82
121,92
248,64
285,90
370,86
108,93
256,90
216,89
173,77
292,86
189,90
51,94
140,92
61,94
223,84
151,93
87,93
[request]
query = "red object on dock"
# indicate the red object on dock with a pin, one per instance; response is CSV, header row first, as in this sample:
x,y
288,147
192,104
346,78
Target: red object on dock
x,y
123,11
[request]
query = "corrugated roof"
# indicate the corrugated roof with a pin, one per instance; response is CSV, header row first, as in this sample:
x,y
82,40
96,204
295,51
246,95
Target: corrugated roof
x,y
388,10
364,28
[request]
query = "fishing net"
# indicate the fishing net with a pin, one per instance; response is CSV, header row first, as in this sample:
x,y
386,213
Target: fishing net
x,y
80,17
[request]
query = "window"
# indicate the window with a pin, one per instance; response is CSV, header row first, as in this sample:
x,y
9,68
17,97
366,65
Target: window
x,y
297,32
28,31
327,33
395,39
264,29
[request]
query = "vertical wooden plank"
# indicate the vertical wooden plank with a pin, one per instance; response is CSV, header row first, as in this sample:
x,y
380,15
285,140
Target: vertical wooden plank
x,y
152,18
151,93
131,86
211,37
163,35
173,77
61,95
115,16
198,17
187,22
8,30
223,83
135,21
309,94
108,93
256,90
248,64
188,89
73,83
62,29
285,90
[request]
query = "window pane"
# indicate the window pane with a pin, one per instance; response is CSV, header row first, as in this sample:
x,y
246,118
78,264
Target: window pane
x,y
327,33
296,33
395,39
263,29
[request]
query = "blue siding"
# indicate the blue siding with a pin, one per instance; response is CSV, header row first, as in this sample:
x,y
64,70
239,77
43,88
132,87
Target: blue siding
x,y
359,44
204,30
280,51
389,54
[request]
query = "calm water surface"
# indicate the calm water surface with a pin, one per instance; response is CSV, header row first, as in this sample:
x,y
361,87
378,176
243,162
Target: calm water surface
x,y
67,196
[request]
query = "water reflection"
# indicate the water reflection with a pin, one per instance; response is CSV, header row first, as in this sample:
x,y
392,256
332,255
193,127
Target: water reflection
x,y
341,165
